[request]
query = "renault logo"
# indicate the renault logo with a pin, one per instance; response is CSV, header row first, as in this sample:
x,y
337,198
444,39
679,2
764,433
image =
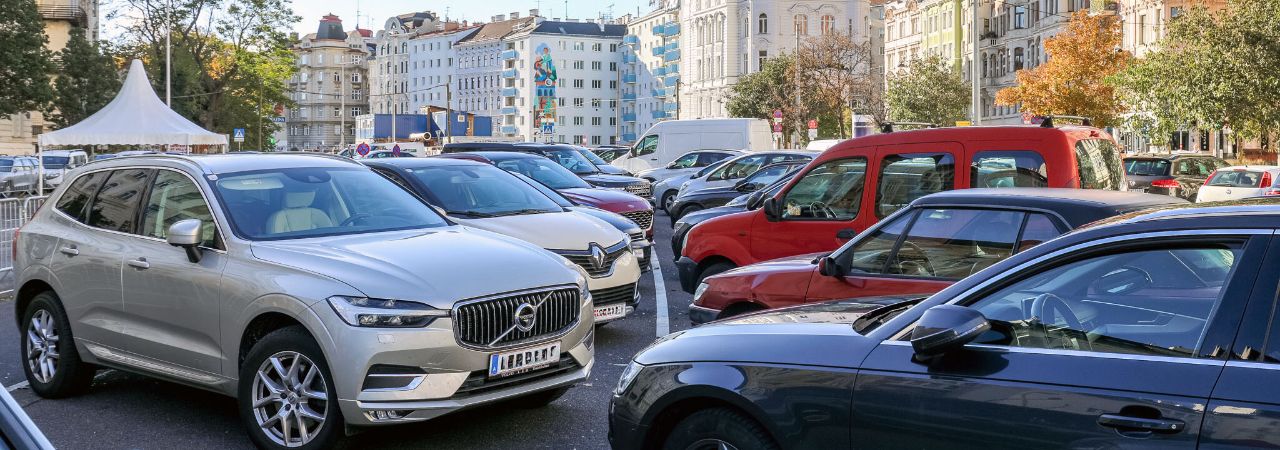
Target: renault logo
x,y
597,256
526,317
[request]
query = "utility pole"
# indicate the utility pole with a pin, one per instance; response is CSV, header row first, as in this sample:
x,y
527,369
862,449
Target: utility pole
x,y
260,117
168,53
342,105
448,108
975,68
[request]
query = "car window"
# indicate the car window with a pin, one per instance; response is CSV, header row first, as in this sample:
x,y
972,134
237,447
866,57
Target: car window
x,y
74,201
594,158
1099,164
1184,167
955,243
1146,167
685,161
709,169
573,161
831,191
544,171
646,146
768,174
709,158
1039,228
116,205
1236,178
1203,167
1001,169
1149,301
738,168
871,255
480,191
175,198
906,177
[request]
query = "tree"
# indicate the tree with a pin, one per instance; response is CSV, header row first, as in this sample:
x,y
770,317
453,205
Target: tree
x,y
835,73
25,63
772,88
1073,80
932,91
88,80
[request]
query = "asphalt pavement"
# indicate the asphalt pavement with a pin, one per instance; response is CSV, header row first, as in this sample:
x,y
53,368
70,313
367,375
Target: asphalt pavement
x,y
130,411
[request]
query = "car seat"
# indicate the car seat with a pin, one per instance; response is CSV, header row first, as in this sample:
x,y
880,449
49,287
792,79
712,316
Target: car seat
x,y
298,215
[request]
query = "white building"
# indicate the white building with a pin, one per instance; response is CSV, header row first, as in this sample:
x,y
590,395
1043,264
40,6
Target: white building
x,y
561,81
432,66
651,69
389,67
902,35
477,80
329,88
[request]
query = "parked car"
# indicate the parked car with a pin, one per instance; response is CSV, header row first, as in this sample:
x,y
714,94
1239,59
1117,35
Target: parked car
x,y
19,175
665,141
600,163
687,163
1238,182
380,154
318,293
641,244
16,428
921,249
860,181
1179,175
666,190
746,202
711,197
568,157
610,152
1148,331
740,167
822,144
482,196
555,176
58,162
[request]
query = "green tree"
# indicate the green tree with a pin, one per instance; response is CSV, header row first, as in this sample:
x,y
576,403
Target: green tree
x,y
932,91
88,80
25,63
758,94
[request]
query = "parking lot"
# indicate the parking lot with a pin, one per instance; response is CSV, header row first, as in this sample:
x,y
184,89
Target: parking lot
x,y
131,411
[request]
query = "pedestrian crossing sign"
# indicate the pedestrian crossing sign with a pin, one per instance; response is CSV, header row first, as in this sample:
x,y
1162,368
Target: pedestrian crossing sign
x,y
237,134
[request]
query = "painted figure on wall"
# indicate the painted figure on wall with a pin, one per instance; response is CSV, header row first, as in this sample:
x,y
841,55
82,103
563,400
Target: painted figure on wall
x,y
544,81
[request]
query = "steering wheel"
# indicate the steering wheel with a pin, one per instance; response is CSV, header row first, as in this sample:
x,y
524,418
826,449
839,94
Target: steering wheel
x,y
1040,309
354,217
820,209
919,262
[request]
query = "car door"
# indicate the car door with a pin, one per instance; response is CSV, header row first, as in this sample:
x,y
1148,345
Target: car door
x,y
1112,345
172,303
817,211
905,172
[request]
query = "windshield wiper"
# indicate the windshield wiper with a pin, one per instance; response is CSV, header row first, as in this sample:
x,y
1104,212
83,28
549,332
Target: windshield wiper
x,y
880,315
476,214
521,212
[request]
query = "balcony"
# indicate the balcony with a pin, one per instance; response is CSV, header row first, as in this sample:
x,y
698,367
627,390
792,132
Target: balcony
x,y
658,114
628,117
659,29
509,130
509,73
673,45
629,58
628,137
670,106
631,39
659,92
671,55
671,80
628,96
73,10
670,29
673,68
629,78
659,51
508,111
509,92
509,54
659,71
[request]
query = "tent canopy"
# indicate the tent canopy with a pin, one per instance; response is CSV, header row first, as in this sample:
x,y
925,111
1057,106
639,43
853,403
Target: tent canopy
x,y
135,117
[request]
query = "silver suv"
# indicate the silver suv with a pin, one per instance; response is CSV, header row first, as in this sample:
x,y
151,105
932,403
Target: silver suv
x,y
309,287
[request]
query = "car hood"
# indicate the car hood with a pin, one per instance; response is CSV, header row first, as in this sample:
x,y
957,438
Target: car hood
x,y
698,217
716,191
612,169
552,231
789,264
615,201
604,179
439,266
819,334
673,182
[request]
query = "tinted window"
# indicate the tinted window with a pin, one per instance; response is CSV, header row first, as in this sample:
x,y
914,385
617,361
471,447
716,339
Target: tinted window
x,y
76,198
1008,169
955,243
544,171
572,160
906,177
709,158
738,168
116,205
595,159
1236,178
685,161
647,145
1150,302
175,198
480,191
831,191
871,255
6,165
1099,164
1039,229
768,174
1147,167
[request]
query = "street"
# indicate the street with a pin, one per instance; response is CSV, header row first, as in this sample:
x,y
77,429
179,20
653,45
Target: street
x,y
125,410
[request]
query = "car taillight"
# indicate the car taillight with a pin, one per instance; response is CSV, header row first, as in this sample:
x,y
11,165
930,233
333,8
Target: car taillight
x,y
1271,192
1170,184
1266,180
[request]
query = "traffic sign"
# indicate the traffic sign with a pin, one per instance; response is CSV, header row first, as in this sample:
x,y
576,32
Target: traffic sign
x,y
813,124
395,150
362,149
238,134
278,119
777,116
963,123
813,133
777,127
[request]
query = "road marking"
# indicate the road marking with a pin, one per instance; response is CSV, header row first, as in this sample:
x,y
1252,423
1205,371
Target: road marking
x,y
17,386
660,296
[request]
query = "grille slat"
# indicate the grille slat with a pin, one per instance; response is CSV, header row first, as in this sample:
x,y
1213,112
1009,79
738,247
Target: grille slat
x,y
480,323
643,190
624,293
642,218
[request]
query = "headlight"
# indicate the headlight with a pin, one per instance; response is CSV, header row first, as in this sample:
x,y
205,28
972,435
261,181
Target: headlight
x,y
629,374
584,293
376,312
702,289
684,241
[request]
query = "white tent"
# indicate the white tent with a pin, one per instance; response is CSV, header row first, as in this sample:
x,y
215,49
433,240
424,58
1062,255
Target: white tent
x,y
135,117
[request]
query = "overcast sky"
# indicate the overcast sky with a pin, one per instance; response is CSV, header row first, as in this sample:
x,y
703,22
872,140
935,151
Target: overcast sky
x,y
374,12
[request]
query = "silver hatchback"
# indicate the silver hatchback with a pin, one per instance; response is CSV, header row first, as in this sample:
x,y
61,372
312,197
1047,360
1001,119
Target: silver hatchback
x,y
315,291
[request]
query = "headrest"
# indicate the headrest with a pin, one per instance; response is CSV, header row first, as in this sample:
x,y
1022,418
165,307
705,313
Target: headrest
x,y
299,199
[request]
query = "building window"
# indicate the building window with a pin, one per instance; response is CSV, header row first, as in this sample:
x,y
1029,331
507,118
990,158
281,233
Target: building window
x,y
764,24
828,24
802,24
764,55
595,121
1019,17
1017,59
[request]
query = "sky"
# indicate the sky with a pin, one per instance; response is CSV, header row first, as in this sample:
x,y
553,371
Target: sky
x,y
373,13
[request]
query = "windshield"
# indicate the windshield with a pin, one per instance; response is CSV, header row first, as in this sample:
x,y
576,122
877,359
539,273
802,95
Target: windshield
x,y
550,193
544,171
595,159
309,202
481,191
1146,167
6,165
573,161
709,168
56,162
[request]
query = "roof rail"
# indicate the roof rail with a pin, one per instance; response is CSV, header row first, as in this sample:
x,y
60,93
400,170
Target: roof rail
x,y
887,127
1048,120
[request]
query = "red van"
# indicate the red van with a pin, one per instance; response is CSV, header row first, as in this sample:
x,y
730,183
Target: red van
x,y
856,183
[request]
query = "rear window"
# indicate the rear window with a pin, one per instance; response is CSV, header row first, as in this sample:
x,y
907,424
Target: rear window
x,y
1236,178
1146,167
1099,164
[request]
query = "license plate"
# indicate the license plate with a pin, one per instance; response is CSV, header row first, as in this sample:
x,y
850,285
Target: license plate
x,y
610,312
523,360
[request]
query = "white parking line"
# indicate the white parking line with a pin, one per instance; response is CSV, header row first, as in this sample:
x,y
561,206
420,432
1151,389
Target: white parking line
x,y
17,386
660,296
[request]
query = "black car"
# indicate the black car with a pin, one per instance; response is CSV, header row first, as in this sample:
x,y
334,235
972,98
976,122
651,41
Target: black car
x,y
1156,329
689,202
566,155
1179,175
744,202
600,163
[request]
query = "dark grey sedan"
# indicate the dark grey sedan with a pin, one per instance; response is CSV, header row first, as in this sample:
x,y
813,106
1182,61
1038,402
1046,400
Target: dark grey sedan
x,y
1179,175
1155,330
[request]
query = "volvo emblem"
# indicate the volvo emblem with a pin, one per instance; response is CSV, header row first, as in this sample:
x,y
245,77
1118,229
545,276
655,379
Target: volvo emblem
x,y
597,256
526,317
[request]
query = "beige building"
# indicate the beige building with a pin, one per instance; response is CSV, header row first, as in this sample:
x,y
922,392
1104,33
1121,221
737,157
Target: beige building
x,y
330,88
18,132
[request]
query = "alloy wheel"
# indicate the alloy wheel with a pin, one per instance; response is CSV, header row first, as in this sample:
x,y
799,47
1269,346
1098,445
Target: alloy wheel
x,y
711,444
290,398
667,201
42,346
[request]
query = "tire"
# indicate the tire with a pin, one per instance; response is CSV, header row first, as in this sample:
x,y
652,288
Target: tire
x,y
66,374
718,428
540,399
740,310
289,346
714,269
688,210
668,198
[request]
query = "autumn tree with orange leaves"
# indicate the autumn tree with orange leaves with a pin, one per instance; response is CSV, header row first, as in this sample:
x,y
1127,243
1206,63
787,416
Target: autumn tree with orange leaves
x,y
1073,80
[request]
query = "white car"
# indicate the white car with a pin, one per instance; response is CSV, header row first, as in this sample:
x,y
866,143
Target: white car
x,y
58,162
686,165
665,141
483,196
1237,182
742,166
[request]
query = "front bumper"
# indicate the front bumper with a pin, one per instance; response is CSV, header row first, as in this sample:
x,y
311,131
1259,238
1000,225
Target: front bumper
x,y
699,315
678,232
688,270
623,434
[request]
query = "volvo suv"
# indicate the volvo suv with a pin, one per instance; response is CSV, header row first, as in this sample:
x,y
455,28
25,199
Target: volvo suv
x,y
312,289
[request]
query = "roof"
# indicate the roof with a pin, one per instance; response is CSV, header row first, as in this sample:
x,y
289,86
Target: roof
x,y
331,28
498,155
580,29
1173,156
420,162
1076,206
495,30
235,162
979,133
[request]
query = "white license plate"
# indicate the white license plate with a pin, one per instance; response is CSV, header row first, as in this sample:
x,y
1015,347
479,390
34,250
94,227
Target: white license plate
x,y
523,360
610,312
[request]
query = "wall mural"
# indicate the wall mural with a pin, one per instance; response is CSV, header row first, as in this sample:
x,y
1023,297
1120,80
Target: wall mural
x,y
544,81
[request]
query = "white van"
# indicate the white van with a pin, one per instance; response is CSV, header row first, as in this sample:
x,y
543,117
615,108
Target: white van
x,y
666,141
58,162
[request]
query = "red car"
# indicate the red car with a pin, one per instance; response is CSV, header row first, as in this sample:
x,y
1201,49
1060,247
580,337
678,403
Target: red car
x,y
853,185
921,249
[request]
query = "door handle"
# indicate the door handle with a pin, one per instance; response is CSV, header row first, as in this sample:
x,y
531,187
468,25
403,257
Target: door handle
x,y
69,251
1129,423
140,263
846,234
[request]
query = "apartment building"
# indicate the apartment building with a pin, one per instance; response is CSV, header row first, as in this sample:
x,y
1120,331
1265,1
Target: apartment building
x,y
478,77
432,64
330,87
389,66
652,69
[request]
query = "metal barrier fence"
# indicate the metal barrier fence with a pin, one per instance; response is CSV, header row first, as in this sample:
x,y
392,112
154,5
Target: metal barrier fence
x,y
14,212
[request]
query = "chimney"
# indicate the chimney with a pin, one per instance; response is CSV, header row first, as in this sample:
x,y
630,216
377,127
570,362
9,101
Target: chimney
x,y
464,24
499,18
515,15
533,12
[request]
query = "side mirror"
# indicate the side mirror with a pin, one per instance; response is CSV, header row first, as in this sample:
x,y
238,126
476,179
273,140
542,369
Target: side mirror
x,y
828,267
186,234
745,187
754,200
771,210
945,328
